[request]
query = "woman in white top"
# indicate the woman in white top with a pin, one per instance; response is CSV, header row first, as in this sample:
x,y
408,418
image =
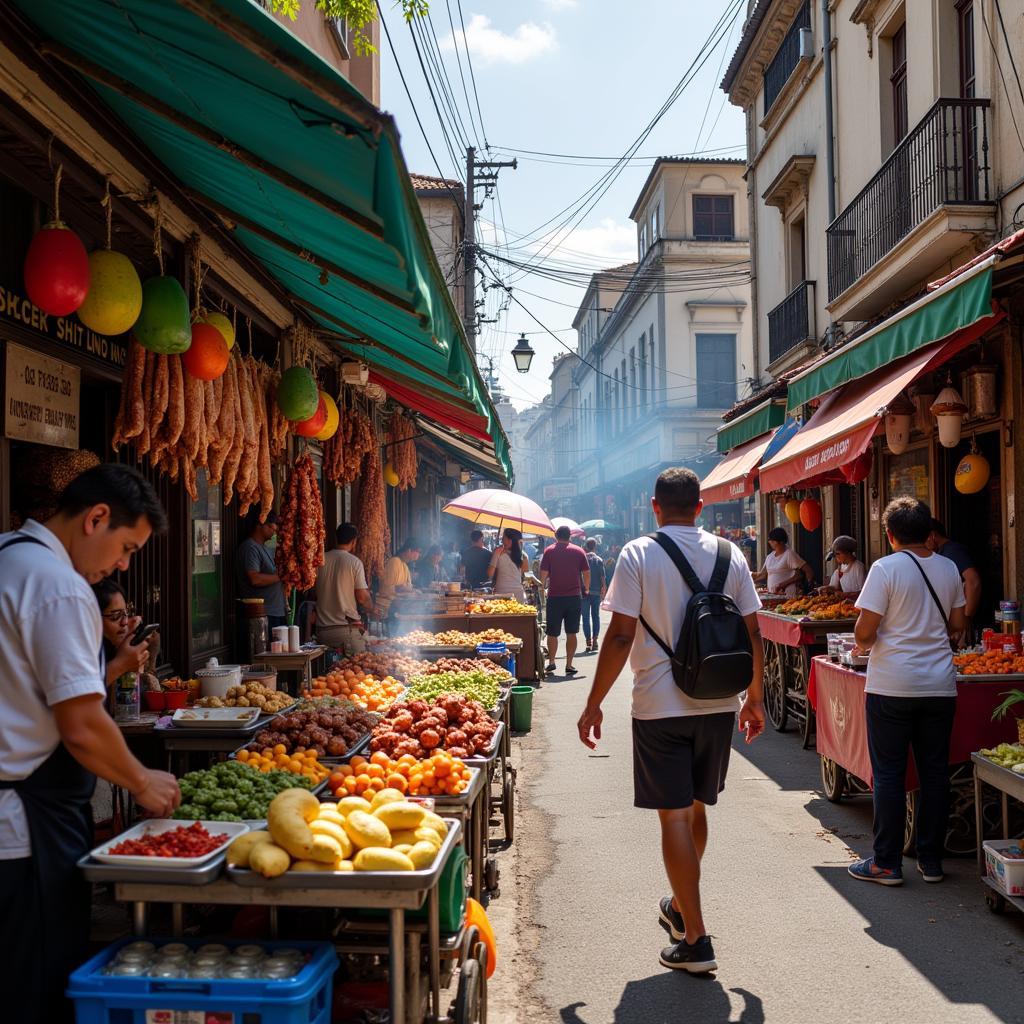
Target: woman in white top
x,y
508,563
849,576
783,567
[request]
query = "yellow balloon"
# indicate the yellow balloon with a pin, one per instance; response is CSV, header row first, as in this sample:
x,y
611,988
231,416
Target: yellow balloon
x,y
792,511
223,324
972,474
390,476
114,299
330,427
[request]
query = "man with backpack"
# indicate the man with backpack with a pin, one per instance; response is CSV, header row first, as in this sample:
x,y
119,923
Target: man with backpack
x,y
687,588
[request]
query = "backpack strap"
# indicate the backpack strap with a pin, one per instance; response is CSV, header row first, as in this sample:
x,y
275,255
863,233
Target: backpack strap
x,y
717,583
931,589
685,569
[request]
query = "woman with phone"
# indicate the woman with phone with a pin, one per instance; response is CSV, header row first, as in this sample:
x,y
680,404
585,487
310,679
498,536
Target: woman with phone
x,y
124,652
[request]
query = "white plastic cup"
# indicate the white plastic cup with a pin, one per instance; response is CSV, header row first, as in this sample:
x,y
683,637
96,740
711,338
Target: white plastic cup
x,y
276,647
293,639
281,633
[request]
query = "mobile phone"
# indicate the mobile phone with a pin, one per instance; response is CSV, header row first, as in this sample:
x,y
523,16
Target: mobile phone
x,y
143,632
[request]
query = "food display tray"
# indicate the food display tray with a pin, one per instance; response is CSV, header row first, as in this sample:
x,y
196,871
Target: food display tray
x,y
394,881
232,829
991,677
215,718
208,871
357,748
488,758
209,732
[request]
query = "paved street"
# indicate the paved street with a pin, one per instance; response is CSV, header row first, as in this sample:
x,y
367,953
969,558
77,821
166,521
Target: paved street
x,y
796,937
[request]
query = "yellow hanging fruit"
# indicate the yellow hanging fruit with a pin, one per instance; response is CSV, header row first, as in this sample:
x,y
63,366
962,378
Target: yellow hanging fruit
x,y
972,474
390,476
114,299
223,324
330,427
792,510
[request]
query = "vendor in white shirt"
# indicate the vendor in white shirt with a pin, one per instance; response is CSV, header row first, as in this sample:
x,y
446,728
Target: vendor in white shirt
x,y
783,569
56,736
848,578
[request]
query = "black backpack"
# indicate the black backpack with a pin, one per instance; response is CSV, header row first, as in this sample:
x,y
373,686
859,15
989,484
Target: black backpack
x,y
713,658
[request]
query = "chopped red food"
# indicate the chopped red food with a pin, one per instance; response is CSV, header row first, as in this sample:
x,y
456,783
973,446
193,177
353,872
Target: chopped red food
x,y
193,841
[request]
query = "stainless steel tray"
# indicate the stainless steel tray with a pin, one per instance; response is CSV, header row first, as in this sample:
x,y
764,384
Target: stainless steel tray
x,y
208,733
205,873
991,677
488,759
359,746
397,881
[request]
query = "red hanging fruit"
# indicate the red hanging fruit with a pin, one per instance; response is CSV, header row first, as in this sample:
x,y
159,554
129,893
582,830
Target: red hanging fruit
x,y
315,423
207,357
810,514
57,270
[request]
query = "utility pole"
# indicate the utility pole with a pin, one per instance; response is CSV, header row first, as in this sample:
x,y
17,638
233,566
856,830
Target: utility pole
x,y
474,180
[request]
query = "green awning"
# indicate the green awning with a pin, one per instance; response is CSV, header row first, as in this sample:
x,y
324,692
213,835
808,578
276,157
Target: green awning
x,y
754,423
963,301
306,173
462,450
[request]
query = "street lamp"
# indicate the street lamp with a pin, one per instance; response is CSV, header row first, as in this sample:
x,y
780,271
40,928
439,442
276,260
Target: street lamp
x,y
523,354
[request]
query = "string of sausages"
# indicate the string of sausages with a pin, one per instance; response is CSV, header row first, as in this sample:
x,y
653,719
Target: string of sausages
x,y
300,530
402,451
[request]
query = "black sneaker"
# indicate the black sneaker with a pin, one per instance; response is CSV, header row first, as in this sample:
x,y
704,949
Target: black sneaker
x,y
671,920
697,959
931,870
570,670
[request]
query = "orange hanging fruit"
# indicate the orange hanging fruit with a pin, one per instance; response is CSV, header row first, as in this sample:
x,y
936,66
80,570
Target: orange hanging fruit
x,y
330,427
207,357
315,423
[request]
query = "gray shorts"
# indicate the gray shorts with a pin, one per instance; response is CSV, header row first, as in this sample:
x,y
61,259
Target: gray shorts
x,y
679,760
350,639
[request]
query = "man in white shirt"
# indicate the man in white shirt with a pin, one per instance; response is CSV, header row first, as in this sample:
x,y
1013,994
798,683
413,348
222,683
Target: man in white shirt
x,y
340,591
911,605
850,573
680,745
55,733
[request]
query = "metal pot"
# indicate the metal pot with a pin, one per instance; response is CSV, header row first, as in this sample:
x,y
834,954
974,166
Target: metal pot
x,y
265,674
217,680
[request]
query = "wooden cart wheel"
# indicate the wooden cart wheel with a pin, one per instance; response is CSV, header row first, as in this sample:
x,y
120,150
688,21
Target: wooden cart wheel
x,y
508,807
910,826
833,779
995,902
775,686
483,958
467,948
467,999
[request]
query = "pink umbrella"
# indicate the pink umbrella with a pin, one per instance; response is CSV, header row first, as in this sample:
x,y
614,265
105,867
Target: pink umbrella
x,y
492,507
575,530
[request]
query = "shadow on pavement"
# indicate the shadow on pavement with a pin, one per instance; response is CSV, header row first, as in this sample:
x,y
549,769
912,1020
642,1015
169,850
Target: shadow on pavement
x,y
780,756
672,998
967,954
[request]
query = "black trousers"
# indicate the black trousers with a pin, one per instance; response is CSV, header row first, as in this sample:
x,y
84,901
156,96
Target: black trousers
x,y
896,725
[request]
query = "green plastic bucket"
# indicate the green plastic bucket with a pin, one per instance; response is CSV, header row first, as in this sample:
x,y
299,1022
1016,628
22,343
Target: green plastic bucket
x,y
522,708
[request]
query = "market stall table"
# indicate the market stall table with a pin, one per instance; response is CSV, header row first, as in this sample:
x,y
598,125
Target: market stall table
x,y
298,662
790,642
837,692
1008,784
391,891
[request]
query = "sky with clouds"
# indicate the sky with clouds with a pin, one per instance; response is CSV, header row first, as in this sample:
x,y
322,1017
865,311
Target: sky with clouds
x,y
576,77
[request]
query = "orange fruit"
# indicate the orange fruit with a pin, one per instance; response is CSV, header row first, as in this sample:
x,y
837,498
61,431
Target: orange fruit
x,y
207,357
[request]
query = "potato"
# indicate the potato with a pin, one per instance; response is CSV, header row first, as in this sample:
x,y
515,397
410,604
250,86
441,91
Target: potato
x,y
240,850
436,822
423,833
344,865
332,816
269,860
422,854
310,865
386,796
336,832
375,858
328,805
349,804
325,849
402,848
404,837
365,830
288,819
400,815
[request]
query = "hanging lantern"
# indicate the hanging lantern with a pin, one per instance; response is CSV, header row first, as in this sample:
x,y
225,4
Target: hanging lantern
x,y
390,476
810,514
791,510
922,394
330,427
973,472
56,270
297,395
114,300
223,324
949,409
899,417
312,426
981,391
207,357
164,325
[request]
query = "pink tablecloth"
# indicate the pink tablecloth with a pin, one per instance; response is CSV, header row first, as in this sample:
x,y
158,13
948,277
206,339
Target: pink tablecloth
x,y
785,630
837,695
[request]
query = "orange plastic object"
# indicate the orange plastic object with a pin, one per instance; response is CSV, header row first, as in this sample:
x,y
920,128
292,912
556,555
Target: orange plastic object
x,y
475,914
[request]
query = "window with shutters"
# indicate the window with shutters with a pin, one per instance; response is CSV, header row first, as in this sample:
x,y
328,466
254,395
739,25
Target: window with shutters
x,y
716,371
713,219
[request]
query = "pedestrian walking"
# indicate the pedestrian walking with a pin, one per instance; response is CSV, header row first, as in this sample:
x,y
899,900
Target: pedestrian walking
x,y
593,596
341,590
681,744
507,565
911,606
55,732
565,572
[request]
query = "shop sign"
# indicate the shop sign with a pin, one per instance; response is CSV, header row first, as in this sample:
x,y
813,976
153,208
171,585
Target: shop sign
x,y
42,398
67,331
553,491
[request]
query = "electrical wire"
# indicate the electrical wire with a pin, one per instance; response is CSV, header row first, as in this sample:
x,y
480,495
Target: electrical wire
x,y
433,97
1002,76
462,76
579,160
441,79
472,74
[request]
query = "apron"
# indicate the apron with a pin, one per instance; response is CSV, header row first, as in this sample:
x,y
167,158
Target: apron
x,y
55,933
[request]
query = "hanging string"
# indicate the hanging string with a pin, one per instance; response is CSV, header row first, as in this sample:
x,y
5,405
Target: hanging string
x,y
197,275
108,208
58,174
248,325
158,242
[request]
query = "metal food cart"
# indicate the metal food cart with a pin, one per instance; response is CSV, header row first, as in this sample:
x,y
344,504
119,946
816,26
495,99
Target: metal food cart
x,y
1009,785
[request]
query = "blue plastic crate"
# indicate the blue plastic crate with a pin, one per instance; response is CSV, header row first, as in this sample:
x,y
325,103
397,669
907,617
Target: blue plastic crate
x,y
304,999
498,653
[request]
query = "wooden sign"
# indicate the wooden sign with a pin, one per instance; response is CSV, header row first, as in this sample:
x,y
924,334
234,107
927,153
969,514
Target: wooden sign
x,y
42,399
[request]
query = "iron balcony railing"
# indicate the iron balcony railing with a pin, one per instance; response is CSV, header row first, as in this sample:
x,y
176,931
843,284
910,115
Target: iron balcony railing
x,y
790,322
786,58
944,160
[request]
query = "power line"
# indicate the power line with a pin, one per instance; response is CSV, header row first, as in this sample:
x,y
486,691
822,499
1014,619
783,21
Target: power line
x,y
537,155
433,98
442,80
472,74
1002,76
462,76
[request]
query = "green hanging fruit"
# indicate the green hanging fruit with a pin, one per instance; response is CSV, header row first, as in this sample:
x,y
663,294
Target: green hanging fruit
x,y
297,395
115,294
164,325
